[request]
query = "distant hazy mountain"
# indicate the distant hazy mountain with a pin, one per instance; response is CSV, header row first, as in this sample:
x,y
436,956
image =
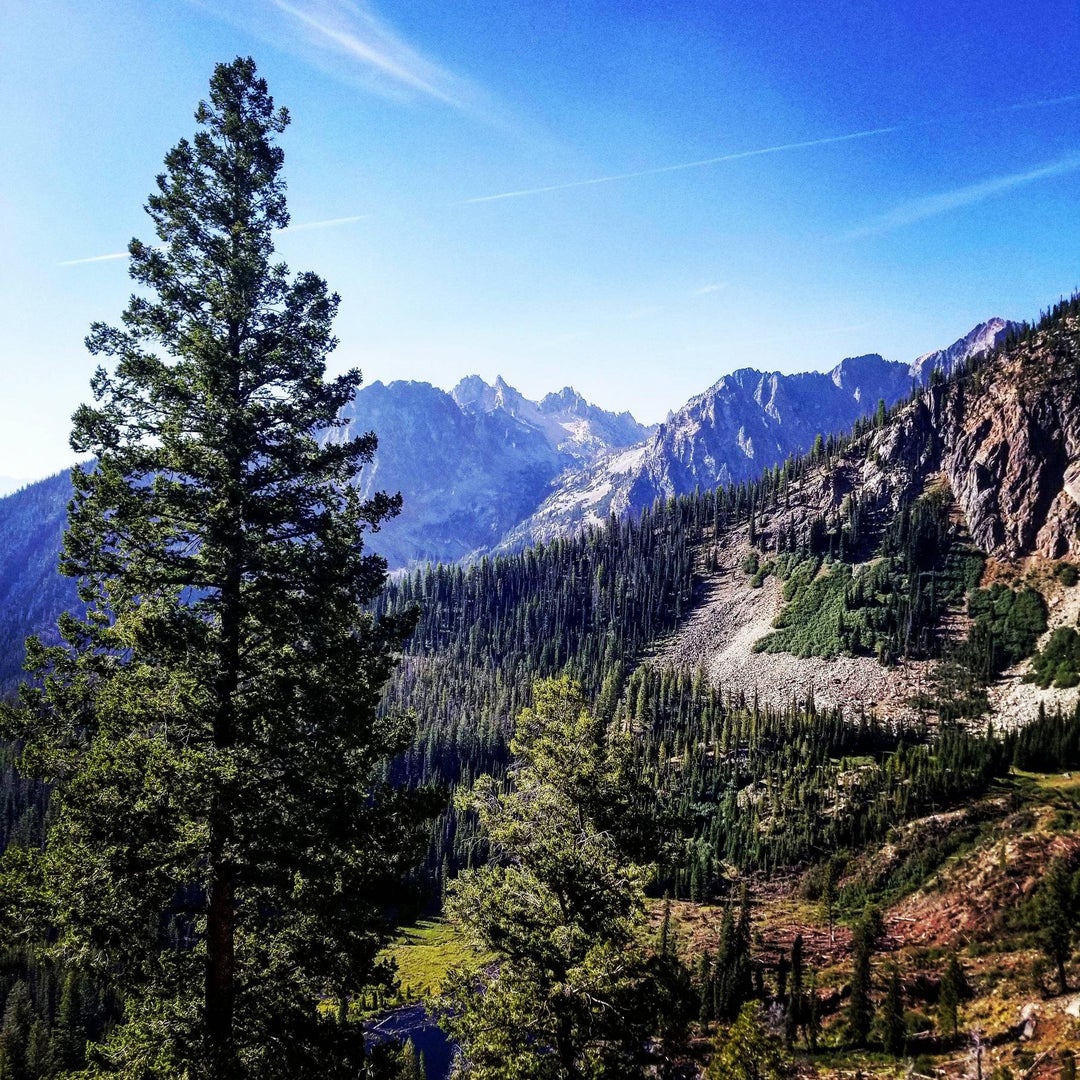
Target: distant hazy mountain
x,y
472,463
569,423
32,592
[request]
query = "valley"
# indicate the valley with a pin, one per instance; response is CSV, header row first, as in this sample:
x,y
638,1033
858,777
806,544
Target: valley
x,y
790,657
631,631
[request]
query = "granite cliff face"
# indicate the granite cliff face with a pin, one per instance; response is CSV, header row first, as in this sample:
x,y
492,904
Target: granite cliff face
x,y
1006,438
1011,447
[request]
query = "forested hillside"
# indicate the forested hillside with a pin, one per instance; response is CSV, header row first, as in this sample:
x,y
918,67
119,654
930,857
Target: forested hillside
x,y
32,591
876,557
872,540
484,469
876,561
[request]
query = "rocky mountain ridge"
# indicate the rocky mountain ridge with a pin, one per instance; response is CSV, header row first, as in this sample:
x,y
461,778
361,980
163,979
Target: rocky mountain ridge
x,y
1002,439
1005,437
483,468
744,423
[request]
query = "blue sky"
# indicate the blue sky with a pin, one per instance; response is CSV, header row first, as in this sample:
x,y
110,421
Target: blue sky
x,y
686,187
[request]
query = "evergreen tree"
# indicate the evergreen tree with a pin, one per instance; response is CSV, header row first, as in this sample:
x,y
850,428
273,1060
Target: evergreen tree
x,y
706,981
860,1011
1056,909
726,1002
953,988
747,1051
828,894
15,1033
580,988
894,1032
813,1015
220,849
797,1006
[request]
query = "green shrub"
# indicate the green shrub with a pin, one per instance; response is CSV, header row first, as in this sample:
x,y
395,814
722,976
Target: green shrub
x,y
1008,623
763,571
1058,664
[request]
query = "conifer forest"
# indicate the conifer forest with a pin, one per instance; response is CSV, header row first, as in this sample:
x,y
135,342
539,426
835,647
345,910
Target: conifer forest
x,y
777,776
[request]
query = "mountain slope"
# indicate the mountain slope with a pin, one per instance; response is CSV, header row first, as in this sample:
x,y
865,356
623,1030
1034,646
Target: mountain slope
x,y
471,464
998,446
32,592
746,422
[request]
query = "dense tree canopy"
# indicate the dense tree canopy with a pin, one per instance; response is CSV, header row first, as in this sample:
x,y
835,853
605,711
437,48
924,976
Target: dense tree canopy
x,y
580,988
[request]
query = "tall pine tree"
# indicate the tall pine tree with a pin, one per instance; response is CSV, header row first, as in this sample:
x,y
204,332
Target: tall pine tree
x,y
220,848
580,987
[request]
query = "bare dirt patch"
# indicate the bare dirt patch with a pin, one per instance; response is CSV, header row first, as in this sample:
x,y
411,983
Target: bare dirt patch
x,y
732,616
1015,702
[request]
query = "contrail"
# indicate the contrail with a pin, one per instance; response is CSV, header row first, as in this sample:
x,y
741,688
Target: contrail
x,y
94,258
932,205
1066,99
689,164
327,223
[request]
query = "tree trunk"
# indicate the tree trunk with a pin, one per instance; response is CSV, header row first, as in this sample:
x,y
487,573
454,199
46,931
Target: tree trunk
x,y
220,999
220,972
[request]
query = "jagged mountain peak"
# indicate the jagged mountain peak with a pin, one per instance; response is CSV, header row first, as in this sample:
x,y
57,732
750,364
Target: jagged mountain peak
x,y
571,424
475,394
852,371
566,400
746,421
978,341
472,392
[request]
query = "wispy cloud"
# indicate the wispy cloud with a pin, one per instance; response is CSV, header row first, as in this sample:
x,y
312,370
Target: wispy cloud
x,y
327,224
679,166
348,41
357,34
916,210
94,258
712,287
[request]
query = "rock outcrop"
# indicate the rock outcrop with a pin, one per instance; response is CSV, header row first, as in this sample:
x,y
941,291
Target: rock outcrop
x,y
1006,438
